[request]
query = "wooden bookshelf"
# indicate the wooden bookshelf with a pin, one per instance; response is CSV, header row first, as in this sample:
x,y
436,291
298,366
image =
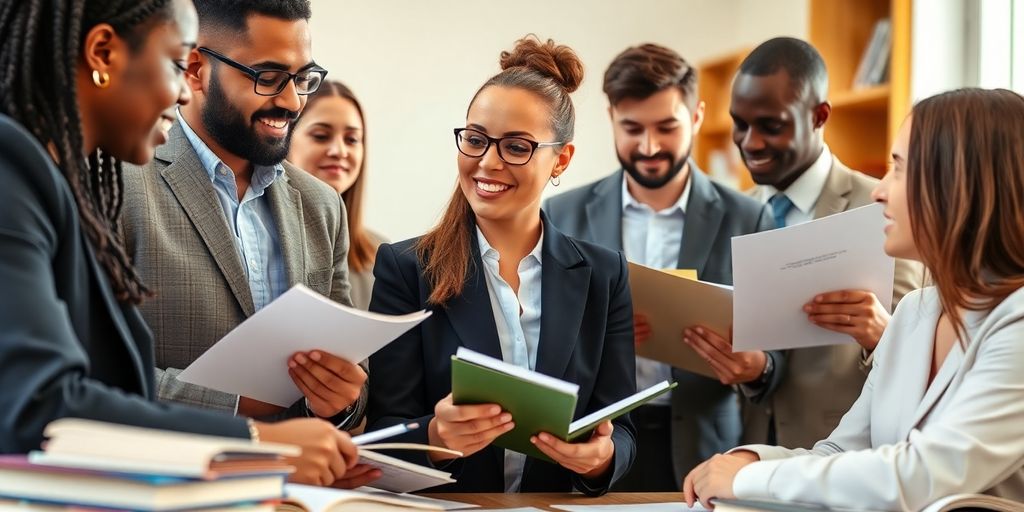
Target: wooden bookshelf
x,y
864,120
713,149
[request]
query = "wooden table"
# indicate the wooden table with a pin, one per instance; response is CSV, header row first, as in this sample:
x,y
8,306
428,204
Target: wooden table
x,y
544,501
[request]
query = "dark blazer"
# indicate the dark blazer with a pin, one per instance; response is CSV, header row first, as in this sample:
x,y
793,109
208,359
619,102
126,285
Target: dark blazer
x,y
586,337
705,413
67,347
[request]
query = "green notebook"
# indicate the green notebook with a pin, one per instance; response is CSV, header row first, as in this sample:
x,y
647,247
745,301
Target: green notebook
x,y
538,403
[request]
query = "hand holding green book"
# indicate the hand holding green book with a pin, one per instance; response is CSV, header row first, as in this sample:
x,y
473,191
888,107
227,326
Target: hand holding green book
x,y
538,403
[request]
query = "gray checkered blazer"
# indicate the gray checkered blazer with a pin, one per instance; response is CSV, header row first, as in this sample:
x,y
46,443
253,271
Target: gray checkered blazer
x,y
177,235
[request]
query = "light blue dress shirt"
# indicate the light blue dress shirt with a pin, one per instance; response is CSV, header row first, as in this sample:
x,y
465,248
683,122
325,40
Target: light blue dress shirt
x,y
250,220
653,239
517,319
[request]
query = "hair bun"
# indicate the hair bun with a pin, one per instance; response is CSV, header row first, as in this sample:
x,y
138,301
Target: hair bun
x,y
559,62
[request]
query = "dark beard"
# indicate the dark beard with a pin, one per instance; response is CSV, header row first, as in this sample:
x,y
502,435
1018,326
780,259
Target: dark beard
x,y
675,167
230,130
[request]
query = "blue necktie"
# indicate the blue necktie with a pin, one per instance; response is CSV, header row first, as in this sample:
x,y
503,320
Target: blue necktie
x,y
781,205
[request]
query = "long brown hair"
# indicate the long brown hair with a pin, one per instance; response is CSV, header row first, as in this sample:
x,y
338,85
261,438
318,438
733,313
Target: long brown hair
x,y
362,248
551,72
965,189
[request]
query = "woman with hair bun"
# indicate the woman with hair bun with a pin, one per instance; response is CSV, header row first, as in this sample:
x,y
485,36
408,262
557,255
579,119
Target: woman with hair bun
x,y
503,281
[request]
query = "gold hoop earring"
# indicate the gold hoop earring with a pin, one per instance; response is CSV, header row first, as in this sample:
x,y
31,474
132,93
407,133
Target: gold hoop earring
x,y
101,80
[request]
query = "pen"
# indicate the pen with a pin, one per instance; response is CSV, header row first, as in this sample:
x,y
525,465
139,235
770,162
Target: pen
x,y
383,433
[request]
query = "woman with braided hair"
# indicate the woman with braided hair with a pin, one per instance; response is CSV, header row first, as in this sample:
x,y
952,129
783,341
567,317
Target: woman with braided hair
x,y
85,85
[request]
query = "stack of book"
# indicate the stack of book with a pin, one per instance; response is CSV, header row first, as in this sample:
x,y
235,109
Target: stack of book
x,y
92,464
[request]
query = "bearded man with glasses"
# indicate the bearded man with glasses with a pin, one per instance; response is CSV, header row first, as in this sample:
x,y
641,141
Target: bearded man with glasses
x,y
219,225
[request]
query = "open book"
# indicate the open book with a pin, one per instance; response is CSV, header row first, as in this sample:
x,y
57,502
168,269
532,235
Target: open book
x,y
403,476
975,502
95,445
305,498
299,320
538,403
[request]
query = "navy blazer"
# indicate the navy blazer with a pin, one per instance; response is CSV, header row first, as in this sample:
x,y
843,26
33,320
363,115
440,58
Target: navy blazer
x,y
705,413
586,337
68,348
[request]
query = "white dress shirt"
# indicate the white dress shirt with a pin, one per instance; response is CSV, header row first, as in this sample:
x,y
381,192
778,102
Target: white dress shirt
x,y
804,192
653,239
517,319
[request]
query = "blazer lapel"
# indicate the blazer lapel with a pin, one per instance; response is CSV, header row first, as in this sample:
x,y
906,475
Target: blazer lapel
x,y
604,211
192,188
704,214
833,198
286,207
949,368
470,314
117,316
565,282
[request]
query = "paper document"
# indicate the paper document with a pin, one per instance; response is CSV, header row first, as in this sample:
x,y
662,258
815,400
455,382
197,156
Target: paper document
x,y
639,507
252,359
673,302
776,272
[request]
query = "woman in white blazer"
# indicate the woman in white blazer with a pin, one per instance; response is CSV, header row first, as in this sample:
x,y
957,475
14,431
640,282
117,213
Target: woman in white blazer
x,y
942,411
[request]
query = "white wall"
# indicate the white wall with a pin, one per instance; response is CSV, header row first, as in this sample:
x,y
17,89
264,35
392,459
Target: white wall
x,y
416,64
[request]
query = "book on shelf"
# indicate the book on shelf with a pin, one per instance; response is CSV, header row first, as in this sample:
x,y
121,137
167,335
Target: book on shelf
x,y
874,62
538,403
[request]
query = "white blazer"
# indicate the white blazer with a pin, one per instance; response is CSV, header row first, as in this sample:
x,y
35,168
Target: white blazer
x,y
904,444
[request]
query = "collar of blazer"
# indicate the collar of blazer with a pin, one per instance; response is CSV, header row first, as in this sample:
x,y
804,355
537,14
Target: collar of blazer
x,y
184,175
834,196
565,282
704,214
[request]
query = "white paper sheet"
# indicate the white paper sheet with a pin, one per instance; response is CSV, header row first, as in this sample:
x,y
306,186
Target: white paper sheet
x,y
252,359
641,507
776,272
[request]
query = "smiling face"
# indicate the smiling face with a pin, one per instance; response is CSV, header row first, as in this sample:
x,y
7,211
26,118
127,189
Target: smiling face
x,y
892,192
776,127
131,116
654,136
497,191
328,142
250,126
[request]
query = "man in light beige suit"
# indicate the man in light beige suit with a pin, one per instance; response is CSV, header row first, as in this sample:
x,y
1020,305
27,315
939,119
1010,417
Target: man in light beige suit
x,y
218,225
779,109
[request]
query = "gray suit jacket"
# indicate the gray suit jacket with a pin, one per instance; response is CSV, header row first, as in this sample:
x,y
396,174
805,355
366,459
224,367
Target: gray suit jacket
x,y
817,385
705,413
176,232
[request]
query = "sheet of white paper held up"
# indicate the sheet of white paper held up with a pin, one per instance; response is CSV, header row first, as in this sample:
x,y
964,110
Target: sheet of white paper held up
x,y
776,272
252,359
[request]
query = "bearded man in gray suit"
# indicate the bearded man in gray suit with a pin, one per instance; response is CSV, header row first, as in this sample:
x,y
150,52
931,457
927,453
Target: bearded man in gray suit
x,y
663,212
219,225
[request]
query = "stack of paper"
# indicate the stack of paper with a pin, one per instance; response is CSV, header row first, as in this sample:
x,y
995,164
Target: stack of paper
x,y
299,320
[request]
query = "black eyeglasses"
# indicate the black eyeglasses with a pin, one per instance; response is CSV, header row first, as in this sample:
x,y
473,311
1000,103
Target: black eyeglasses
x,y
511,150
270,82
